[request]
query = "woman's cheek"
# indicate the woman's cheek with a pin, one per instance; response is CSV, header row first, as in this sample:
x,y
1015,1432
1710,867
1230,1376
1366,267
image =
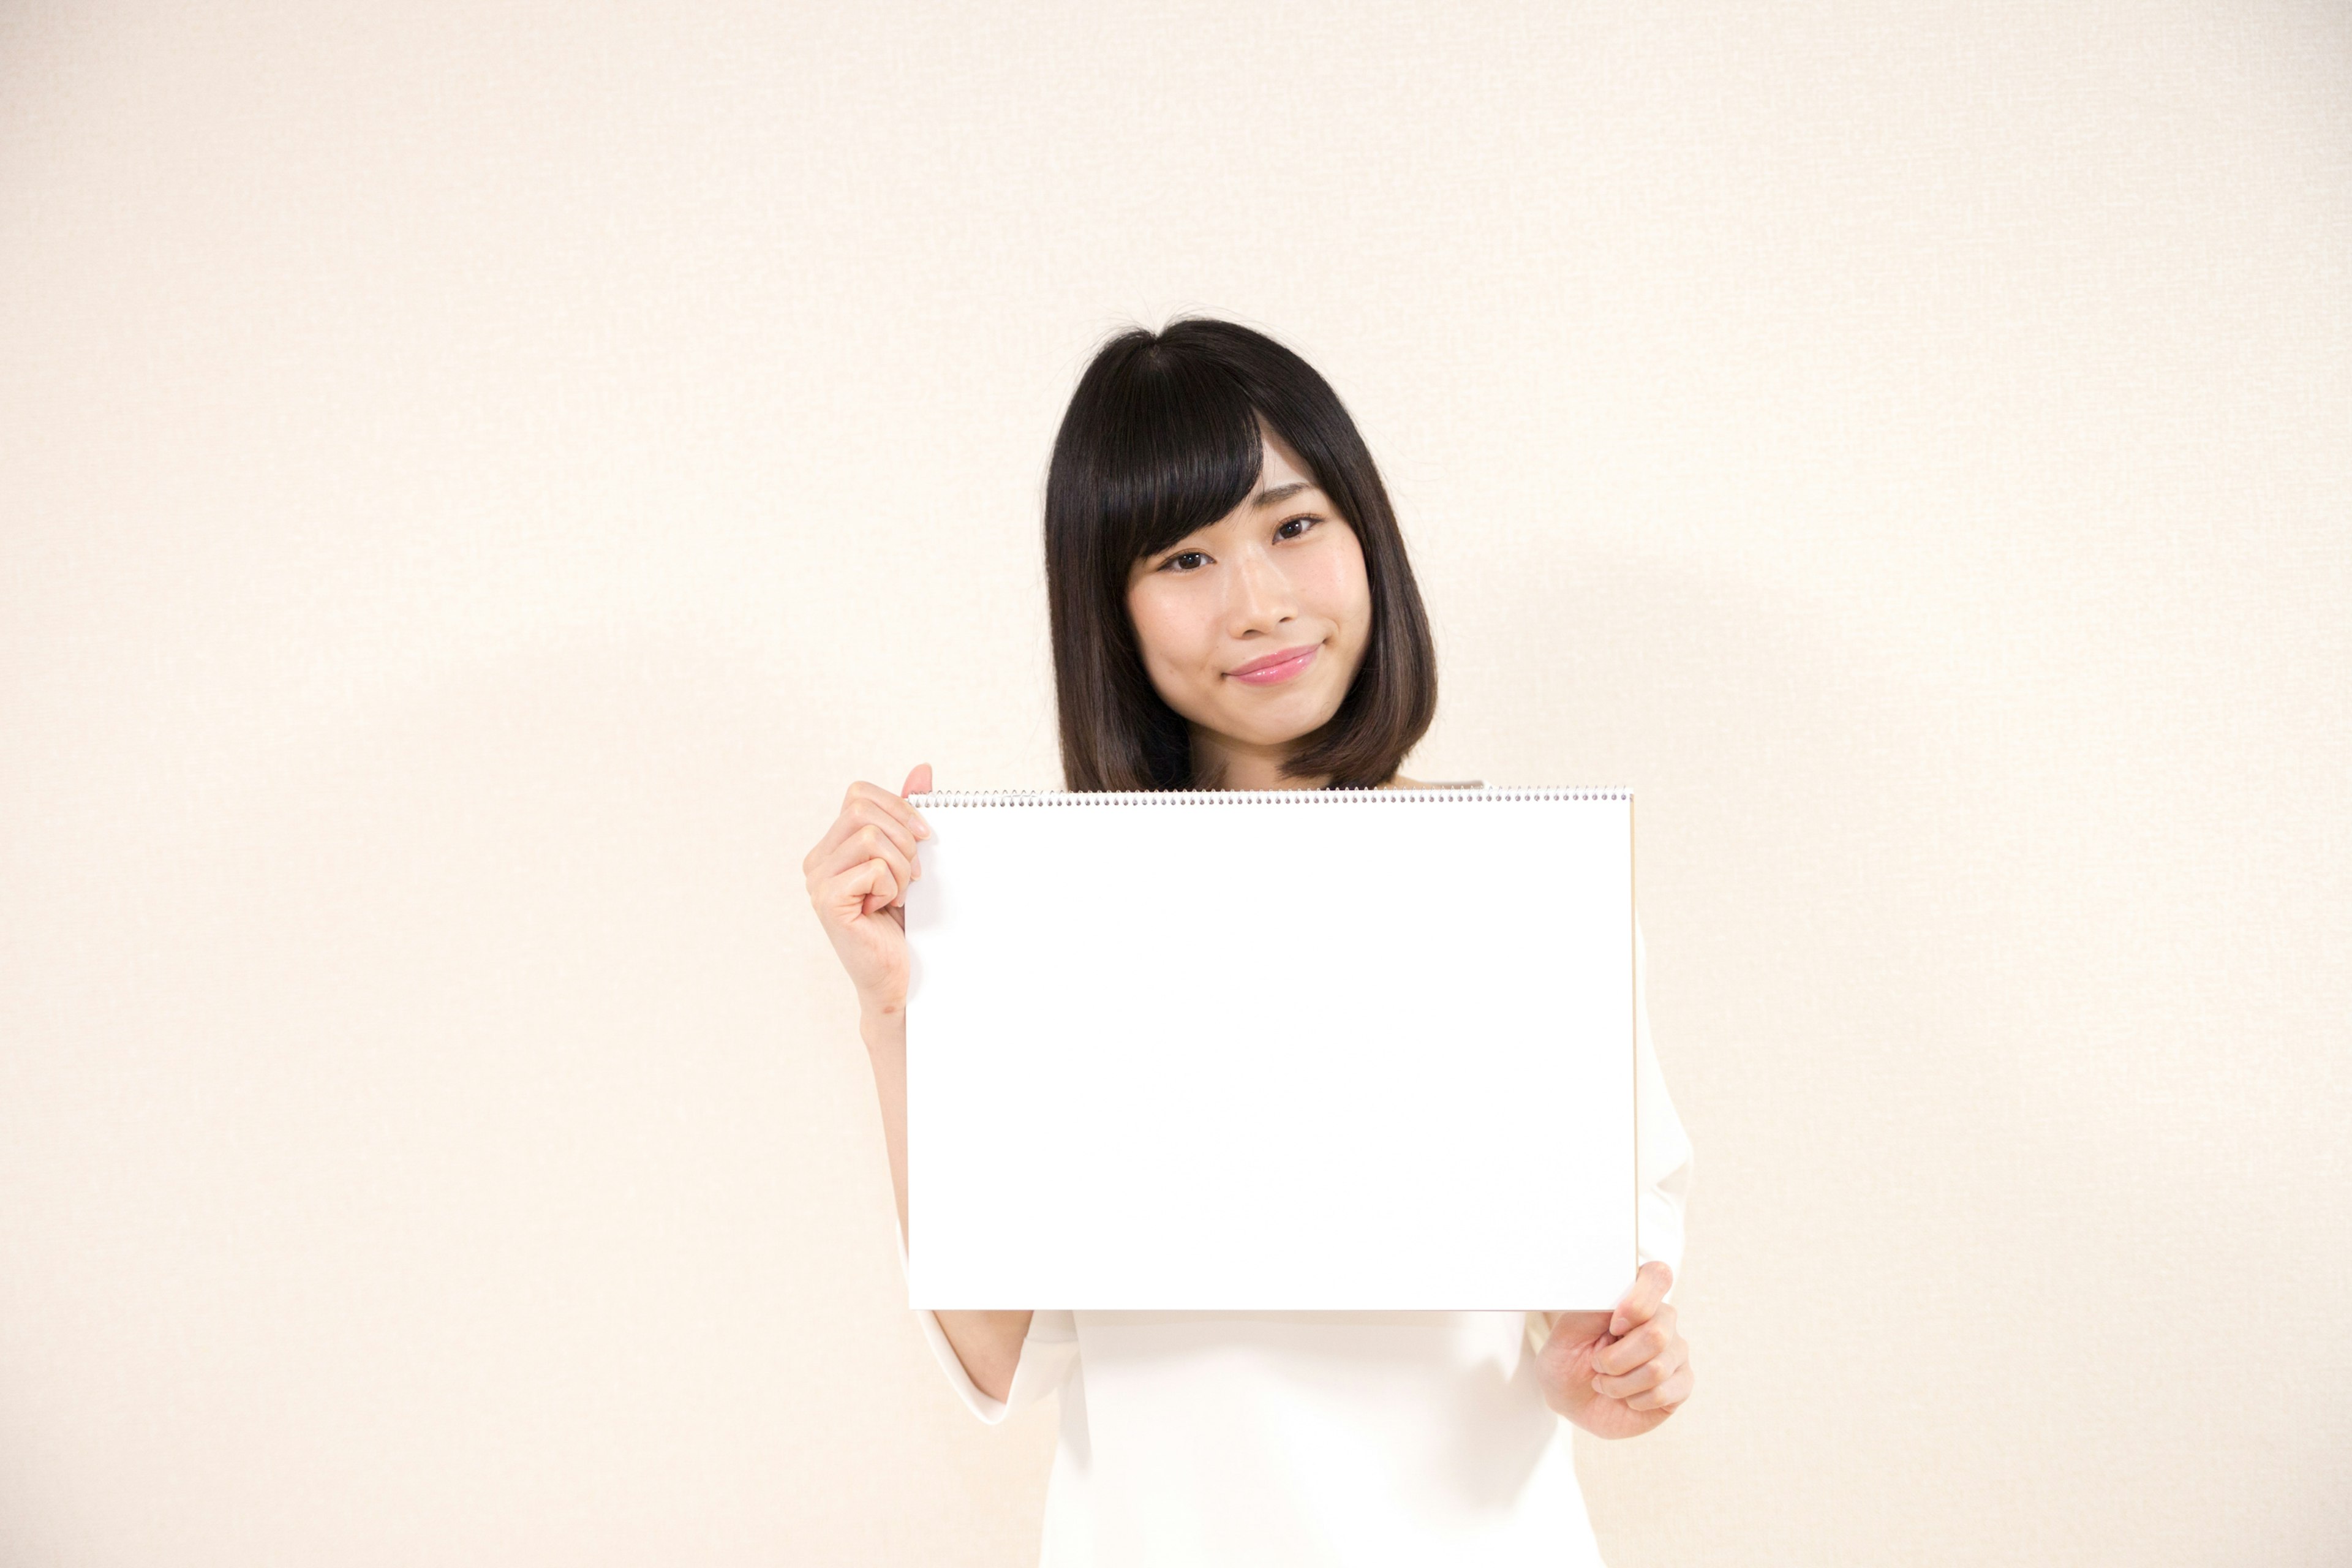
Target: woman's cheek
x,y
1159,629
1172,658
1323,574
1334,582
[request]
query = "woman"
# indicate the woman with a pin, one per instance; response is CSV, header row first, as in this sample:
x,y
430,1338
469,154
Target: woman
x,y
1231,608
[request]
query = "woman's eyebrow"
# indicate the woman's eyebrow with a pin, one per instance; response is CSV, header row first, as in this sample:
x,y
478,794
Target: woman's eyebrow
x,y
1279,493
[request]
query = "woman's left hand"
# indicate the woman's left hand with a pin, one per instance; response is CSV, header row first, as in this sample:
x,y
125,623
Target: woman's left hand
x,y
1618,1375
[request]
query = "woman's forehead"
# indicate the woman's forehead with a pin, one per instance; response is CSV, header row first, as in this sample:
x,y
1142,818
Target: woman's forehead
x,y
1282,465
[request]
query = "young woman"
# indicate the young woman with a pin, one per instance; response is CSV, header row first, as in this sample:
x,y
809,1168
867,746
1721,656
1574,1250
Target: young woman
x,y
1231,608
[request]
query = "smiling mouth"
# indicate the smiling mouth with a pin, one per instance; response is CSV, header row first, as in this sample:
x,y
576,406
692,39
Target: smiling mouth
x,y
1276,668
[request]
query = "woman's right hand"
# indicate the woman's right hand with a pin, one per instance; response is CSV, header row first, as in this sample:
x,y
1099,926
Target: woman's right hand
x,y
857,880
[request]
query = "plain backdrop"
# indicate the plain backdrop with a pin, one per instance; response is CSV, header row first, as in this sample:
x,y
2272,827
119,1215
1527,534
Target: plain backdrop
x,y
478,481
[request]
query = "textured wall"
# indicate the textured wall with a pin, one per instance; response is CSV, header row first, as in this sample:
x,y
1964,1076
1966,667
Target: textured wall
x,y
478,481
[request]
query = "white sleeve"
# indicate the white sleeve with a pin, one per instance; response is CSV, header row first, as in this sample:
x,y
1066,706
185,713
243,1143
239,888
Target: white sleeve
x,y
1048,1354
1662,1158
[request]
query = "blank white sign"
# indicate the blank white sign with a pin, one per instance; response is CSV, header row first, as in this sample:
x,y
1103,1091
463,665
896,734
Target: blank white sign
x,y
1277,1050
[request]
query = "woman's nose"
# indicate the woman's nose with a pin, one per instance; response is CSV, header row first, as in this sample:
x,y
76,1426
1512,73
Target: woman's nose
x,y
1261,598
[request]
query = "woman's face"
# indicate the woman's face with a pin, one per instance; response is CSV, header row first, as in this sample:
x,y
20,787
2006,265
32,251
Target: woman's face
x,y
1251,627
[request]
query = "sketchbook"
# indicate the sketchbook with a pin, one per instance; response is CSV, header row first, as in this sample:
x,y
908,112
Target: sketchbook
x,y
1272,1050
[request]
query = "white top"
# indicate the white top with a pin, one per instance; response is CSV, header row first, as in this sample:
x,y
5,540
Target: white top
x,y
1305,1439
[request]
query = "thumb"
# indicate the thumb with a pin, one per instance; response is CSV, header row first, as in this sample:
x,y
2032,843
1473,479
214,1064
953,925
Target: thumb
x,y
919,781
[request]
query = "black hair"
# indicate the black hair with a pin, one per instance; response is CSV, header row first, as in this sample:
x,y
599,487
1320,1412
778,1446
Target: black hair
x,y
1161,437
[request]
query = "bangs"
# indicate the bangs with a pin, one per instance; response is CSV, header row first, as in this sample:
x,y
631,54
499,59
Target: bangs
x,y
1182,448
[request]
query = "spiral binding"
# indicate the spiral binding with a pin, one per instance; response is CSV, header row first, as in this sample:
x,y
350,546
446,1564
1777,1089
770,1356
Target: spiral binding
x,y
1353,796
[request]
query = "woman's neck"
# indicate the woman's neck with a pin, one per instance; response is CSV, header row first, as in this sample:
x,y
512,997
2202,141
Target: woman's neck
x,y
1220,762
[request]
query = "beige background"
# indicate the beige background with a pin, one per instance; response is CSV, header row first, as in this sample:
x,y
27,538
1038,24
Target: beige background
x,y
479,480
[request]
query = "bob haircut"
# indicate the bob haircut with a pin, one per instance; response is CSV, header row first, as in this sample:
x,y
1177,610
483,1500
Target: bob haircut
x,y
1161,437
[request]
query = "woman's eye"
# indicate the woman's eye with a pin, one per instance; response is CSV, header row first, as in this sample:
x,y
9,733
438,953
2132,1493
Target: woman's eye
x,y
1178,560
1302,523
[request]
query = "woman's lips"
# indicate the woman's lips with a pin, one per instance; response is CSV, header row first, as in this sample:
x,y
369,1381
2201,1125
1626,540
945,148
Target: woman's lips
x,y
1276,668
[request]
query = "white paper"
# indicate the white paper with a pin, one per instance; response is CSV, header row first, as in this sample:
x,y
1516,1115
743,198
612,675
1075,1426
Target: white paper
x,y
1273,1051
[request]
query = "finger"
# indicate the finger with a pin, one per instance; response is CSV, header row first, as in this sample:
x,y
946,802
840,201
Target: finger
x,y
1667,1394
854,892
898,804
1648,1375
1578,1327
862,805
825,857
895,826
918,781
1642,1303
869,843
1649,1340
863,841
894,804
887,887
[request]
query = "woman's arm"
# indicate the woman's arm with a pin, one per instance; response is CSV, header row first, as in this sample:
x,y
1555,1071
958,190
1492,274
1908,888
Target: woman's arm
x,y
857,880
987,1342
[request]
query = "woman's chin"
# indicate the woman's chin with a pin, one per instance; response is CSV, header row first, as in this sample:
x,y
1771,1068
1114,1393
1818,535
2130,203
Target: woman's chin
x,y
1286,725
